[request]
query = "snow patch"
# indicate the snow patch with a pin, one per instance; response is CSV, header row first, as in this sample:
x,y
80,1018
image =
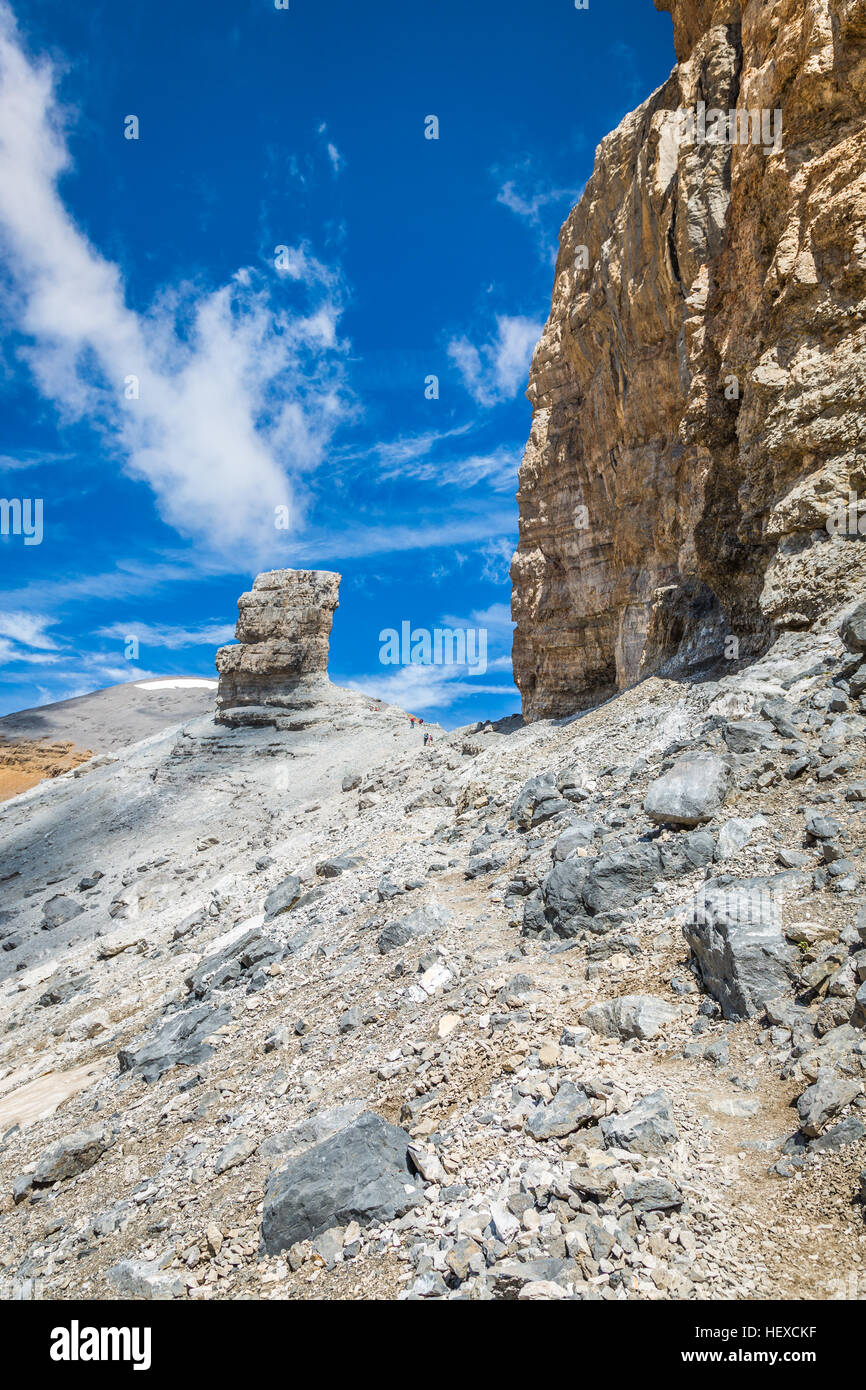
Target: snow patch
x,y
179,683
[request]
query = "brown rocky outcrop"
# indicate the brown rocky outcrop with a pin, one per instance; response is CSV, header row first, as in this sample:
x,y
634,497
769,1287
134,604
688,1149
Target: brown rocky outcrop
x,y
698,392
281,664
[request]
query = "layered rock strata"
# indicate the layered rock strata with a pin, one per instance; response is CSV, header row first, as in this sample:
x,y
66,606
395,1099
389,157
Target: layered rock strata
x,y
281,663
692,479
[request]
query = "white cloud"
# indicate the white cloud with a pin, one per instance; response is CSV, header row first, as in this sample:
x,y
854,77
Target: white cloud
x,y
353,542
337,160
496,556
417,687
496,370
10,654
29,458
499,468
172,638
532,204
432,688
235,394
542,205
28,629
392,454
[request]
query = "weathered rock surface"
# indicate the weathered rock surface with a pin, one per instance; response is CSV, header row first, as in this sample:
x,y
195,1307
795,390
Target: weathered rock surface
x,y
144,1279
629,1016
283,628
823,1100
647,1128
71,1155
180,1041
691,792
569,1109
698,388
735,931
362,1173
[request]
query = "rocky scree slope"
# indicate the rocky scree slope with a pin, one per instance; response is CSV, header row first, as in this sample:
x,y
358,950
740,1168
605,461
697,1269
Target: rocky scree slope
x,y
574,1011
698,392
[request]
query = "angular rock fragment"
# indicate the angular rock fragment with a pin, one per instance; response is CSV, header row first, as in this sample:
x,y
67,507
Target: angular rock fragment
x,y
59,910
180,1041
423,922
735,932
693,791
283,897
647,1128
362,1173
73,1154
570,1108
629,1016
822,1101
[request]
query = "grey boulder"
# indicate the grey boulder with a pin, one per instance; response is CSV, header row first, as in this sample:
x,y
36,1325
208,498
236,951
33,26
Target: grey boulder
x,y
236,1152
59,910
562,894
569,1109
748,735
691,792
647,1194
533,794
822,1101
332,868
424,921
181,1041
735,932
629,1016
73,1154
362,1173
853,629
619,879
283,897
647,1128
577,836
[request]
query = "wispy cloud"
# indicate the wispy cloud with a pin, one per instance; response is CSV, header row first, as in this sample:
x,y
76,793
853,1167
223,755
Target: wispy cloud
x,y
28,629
425,688
496,556
316,547
336,159
496,370
498,468
171,638
29,458
430,688
234,393
392,454
541,203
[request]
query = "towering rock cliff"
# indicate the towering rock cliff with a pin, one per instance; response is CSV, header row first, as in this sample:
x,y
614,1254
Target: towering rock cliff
x,y
698,393
281,664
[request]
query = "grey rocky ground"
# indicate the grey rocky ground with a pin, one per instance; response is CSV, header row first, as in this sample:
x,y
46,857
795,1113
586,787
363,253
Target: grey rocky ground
x,y
105,720
328,1013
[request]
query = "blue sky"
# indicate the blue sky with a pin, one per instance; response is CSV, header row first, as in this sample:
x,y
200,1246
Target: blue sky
x,y
282,385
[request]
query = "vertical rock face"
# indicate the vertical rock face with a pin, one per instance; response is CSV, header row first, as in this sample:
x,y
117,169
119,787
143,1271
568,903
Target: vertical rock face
x,y
698,393
284,627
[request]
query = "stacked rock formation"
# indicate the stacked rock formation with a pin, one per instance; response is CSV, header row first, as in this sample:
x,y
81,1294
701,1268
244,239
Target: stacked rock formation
x,y
281,664
696,453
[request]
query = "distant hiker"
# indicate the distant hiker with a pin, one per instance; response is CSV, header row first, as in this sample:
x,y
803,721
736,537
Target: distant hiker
x,y
412,720
426,736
